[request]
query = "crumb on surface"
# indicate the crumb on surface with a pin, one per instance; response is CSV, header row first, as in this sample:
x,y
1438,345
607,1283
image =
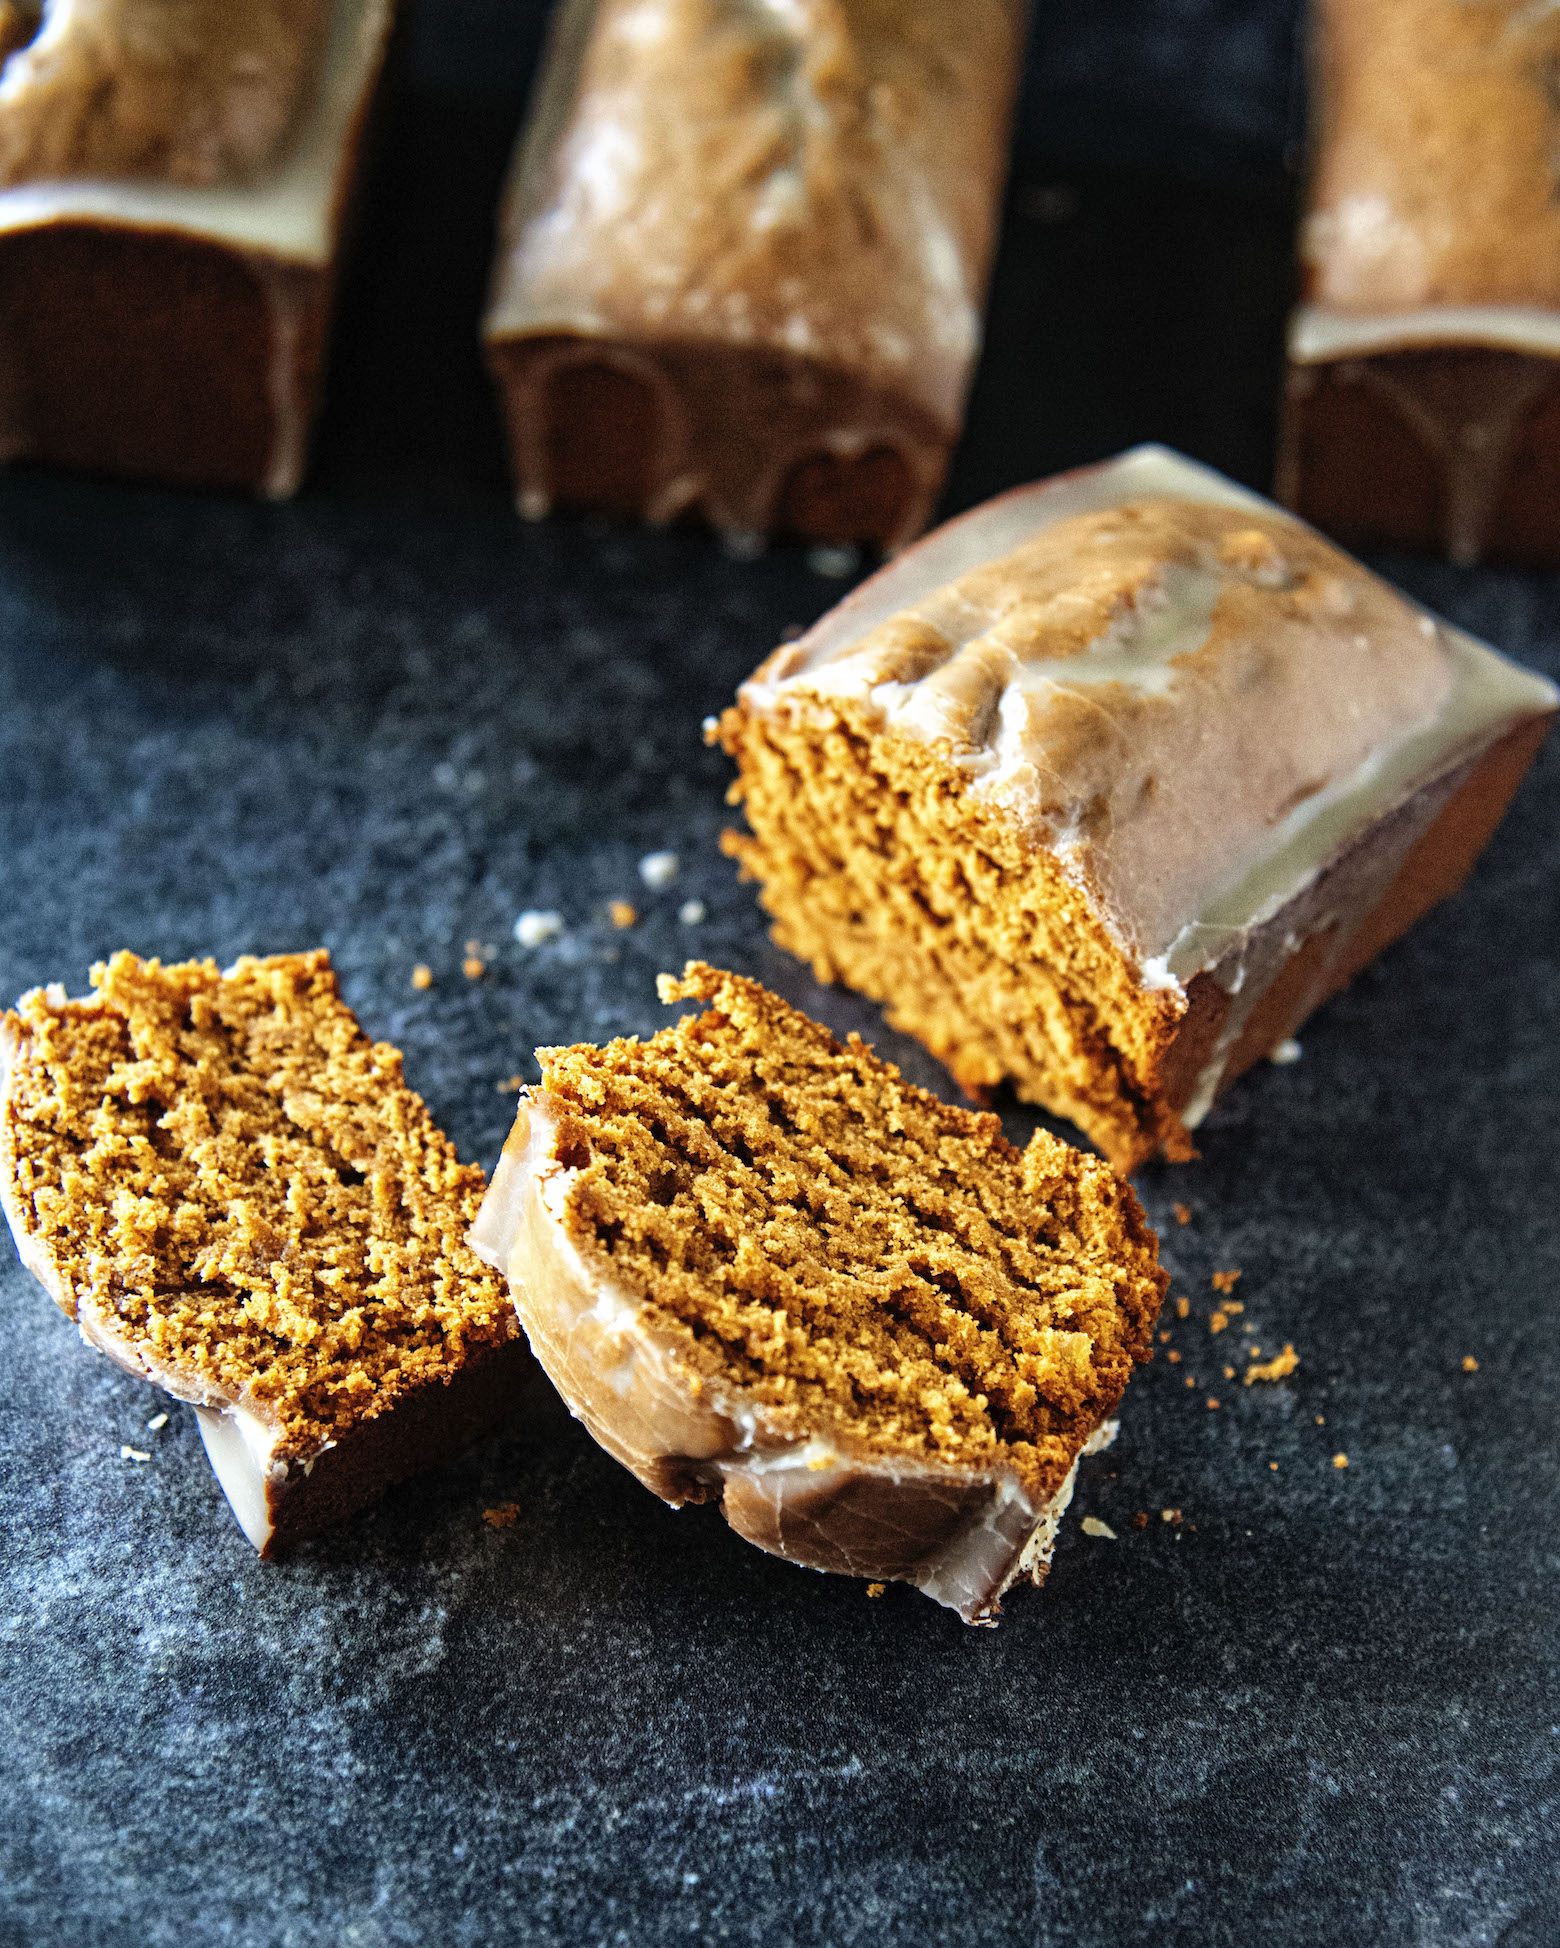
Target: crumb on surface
x,y
422,975
1191,1381
132,1453
1340,1460
876,1589
1286,1052
624,913
473,968
1212,1404
1170,1515
1092,1525
1231,1306
536,926
1183,1213
511,1085
1183,1308
1469,1364
1140,1520
1273,1465
691,912
156,1424
1217,1321
658,869
1229,1373
503,1517
1172,1356
1278,1368
1321,1420
1225,1281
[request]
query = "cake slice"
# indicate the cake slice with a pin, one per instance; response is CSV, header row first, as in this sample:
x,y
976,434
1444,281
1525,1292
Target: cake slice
x,y
1104,786
234,1194
766,1271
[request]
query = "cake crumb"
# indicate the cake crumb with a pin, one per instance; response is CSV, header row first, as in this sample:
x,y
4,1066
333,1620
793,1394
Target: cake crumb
x,y
1230,1307
1183,1308
1273,1465
534,927
1173,1356
1212,1404
624,913
876,1589
511,1085
1170,1515
1092,1525
1217,1321
132,1454
422,975
1183,1213
1321,1420
472,968
658,869
1229,1373
1470,1364
503,1517
1140,1520
1225,1281
1191,1381
157,1423
691,912
1277,1368
1164,1337
1340,1460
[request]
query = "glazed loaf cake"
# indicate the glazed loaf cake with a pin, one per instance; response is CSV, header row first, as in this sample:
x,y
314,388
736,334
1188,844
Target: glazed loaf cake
x,y
743,255
1103,787
234,1194
174,176
765,1271
1423,398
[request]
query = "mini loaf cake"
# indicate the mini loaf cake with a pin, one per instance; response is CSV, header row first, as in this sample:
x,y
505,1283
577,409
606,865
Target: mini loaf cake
x,y
1423,402
764,1270
743,258
234,1194
1103,787
174,176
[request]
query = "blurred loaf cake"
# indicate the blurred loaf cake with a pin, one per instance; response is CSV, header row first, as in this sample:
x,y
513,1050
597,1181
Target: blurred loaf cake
x,y
1103,787
234,1195
174,181
743,257
766,1271
1423,398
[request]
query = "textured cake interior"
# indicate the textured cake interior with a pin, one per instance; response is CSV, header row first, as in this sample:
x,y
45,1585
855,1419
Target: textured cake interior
x,y
244,1188
881,871
848,1251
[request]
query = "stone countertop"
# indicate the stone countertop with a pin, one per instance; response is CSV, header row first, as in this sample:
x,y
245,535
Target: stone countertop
x,y
1320,1707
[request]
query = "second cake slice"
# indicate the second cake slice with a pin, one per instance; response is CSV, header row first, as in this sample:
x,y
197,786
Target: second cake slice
x,y
764,1269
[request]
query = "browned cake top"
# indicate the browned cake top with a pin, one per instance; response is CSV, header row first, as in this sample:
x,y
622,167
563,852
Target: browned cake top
x,y
850,1252
818,178
184,91
1437,155
242,1187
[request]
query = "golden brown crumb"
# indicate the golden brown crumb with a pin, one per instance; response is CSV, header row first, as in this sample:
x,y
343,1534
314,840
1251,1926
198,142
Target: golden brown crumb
x,y
1183,1213
510,1085
1173,1357
1470,1364
1340,1460
503,1517
1183,1308
1170,1515
843,1247
472,968
1212,1403
876,1589
1101,1531
1217,1321
1164,1337
227,1171
1321,1420
1277,1368
623,912
1231,1306
1225,1281
1229,1373
422,975
1274,1466
1191,1381
1140,1520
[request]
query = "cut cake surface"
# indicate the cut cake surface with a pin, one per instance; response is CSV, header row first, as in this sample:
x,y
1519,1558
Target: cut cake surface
x,y
1103,787
766,1270
234,1194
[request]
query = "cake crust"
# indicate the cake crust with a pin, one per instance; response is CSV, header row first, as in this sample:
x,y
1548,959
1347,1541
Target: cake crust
x,y
763,1270
232,1192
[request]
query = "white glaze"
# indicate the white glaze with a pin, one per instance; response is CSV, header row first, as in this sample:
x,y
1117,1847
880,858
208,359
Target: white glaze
x,y
1319,333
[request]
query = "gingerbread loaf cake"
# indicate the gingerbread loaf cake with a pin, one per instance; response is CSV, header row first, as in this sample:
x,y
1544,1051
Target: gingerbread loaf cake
x,y
766,1271
174,182
1423,398
234,1194
743,255
1103,787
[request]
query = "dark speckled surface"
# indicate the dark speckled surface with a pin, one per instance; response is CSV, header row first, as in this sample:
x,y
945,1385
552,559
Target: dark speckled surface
x,y
1321,1709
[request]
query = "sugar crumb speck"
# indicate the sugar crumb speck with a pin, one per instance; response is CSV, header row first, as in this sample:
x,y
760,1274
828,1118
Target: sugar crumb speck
x,y
422,975
534,927
1340,1460
876,1589
156,1424
132,1454
1225,1281
1092,1525
1470,1364
691,912
658,869
624,914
